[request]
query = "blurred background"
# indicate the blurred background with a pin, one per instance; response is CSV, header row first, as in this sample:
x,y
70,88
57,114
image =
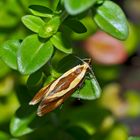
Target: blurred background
x,y
116,115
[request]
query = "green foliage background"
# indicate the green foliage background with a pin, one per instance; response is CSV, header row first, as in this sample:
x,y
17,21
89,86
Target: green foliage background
x,y
38,43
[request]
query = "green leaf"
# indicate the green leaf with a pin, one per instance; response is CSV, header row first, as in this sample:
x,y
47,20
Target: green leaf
x,y
33,54
111,19
55,4
25,121
22,94
90,89
50,28
75,25
19,124
90,26
134,138
36,2
8,53
61,43
35,80
32,22
67,63
41,11
4,136
74,7
49,80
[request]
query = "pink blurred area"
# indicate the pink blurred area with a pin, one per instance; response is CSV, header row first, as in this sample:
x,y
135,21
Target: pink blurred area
x,y
105,49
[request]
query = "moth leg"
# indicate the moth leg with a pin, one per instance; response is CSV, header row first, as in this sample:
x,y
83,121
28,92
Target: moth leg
x,y
78,93
87,76
81,83
79,87
61,106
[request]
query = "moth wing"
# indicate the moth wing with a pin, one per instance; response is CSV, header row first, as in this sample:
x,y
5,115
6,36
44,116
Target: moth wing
x,y
45,107
72,85
39,96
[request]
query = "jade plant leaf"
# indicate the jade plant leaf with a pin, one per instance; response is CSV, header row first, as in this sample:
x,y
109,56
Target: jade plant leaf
x,y
111,19
61,43
50,27
67,63
25,121
35,80
8,53
75,25
74,7
32,22
89,90
33,54
19,124
41,11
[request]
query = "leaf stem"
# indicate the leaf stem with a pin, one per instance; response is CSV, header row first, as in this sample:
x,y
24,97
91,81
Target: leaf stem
x,y
64,15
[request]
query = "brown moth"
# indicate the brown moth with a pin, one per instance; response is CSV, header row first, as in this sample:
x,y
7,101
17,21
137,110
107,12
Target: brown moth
x,y
54,94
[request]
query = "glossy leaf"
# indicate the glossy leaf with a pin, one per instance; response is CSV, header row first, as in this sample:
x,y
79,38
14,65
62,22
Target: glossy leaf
x,y
90,89
75,7
8,53
19,124
75,25
23,94
111,19
50,28
33,54
41,11
49,80
32,22
67,63
90,27
61,43
55,4
25,121
35,80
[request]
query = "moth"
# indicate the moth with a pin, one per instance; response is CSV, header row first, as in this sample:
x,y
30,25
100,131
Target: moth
x,y
54,94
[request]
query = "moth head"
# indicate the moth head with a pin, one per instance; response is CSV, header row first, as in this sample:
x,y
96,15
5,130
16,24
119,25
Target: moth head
x,y
87,63
87,60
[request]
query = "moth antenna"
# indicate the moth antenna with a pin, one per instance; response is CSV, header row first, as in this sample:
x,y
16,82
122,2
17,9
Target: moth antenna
x,y
82,60
92,73
61,106
79,95
79,58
